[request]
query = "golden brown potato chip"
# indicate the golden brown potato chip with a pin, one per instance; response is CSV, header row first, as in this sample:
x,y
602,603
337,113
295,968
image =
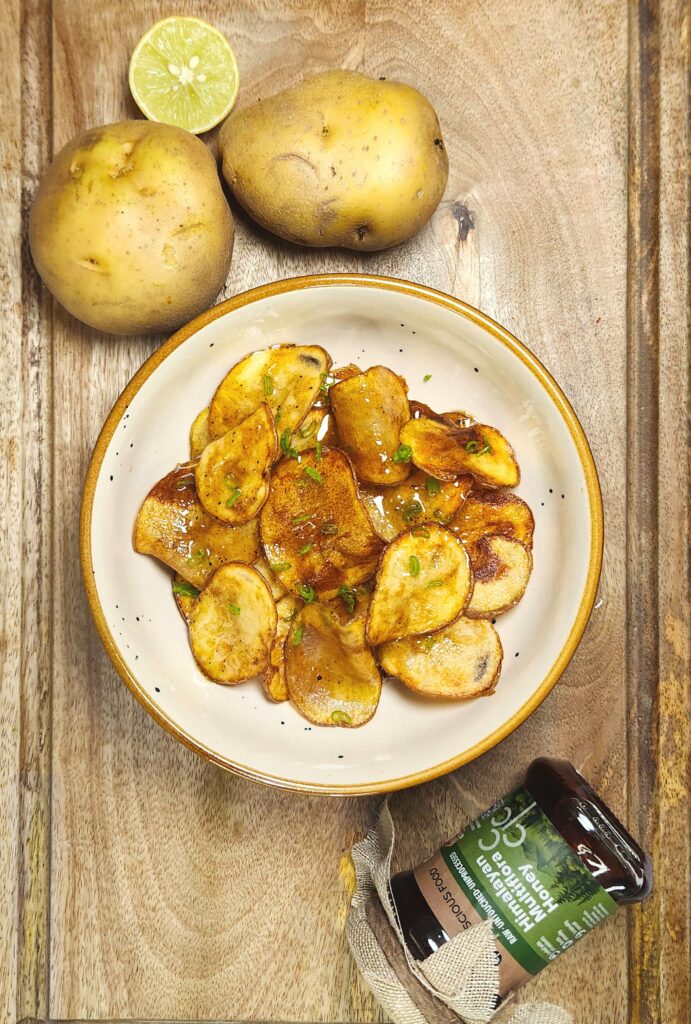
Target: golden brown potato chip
x,y
287,378
501,570
312,429
275,586
445,451
370,408
493,512
232,624
173,526
314,527
185,595
332,676
460,661
423,583
199,434
275,683
419,499
233,473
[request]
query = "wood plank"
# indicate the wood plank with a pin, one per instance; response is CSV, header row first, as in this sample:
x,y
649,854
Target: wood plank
x,y
11,532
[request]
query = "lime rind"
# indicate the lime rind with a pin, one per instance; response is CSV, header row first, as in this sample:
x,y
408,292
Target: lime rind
x,y
183,72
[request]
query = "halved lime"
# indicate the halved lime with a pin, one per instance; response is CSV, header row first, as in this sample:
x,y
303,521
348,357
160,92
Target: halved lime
x,y
183,72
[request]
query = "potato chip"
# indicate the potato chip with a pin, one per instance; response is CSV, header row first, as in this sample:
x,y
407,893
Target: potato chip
x,y
332,676
493,512
419,499
370,408
423,583
501,570
314,527
287,378
232,624
460,661
185,595
233,473
173,526
275,586
199,434
445,451
275,683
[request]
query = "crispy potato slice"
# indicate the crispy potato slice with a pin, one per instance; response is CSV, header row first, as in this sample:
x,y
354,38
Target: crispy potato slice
x,y
232,624
423,583
233,473
287,377
501,570
493,512
370,408
275,586
199,434
314,528
332,676
460,661
419,499
173,526
274,680
445,451
459,419
312,429
185,596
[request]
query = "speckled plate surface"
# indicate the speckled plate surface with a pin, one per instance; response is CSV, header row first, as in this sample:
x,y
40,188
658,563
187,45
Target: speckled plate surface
x,y
475,365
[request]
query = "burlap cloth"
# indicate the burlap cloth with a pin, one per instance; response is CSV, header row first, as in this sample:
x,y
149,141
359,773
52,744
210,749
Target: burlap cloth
x,y
456,984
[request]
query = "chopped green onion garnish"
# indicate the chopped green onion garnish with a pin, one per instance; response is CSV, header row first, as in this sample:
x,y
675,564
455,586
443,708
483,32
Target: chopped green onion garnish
x,y
234,497
305,548
412,511
301,519
435,583
278,414
297,636
185,589
286,446
420,531
341,718
306,592
234,609
414,565
428,376
313,475
198,556
403,453
429,642
268,385
279,566
308,430
348,598
329,529
432,485
326,383
475,448
185,483
442,516
318,451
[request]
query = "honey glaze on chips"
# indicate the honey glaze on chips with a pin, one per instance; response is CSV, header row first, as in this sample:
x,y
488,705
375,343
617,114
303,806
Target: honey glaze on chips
x,y
388,537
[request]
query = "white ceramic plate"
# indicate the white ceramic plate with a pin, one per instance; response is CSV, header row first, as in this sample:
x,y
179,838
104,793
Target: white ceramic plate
x,y
475,365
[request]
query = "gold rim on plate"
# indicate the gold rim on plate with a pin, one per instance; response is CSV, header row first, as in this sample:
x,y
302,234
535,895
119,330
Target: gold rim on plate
x,y
441,299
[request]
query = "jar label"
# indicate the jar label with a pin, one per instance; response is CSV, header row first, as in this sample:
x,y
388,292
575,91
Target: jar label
x,y
512,866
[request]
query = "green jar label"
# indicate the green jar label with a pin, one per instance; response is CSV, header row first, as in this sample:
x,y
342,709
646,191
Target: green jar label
x,y
512,866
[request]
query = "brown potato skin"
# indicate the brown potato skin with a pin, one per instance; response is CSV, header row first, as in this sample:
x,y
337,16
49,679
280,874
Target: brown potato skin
x,y
370,409
489,512
341,159
488,567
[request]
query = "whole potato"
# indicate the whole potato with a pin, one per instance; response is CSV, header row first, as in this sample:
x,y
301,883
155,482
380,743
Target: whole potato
x,y
341,159
130,229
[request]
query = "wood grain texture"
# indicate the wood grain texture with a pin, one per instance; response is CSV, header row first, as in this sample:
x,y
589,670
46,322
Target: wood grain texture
x,y
140,882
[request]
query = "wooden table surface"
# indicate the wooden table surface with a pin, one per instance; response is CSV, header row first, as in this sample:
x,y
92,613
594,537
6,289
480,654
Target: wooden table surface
x,y
139,882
